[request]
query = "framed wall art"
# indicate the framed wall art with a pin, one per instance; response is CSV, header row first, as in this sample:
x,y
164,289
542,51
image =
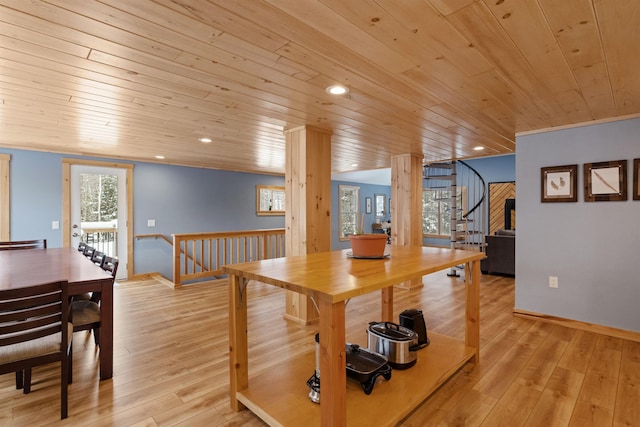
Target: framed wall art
x,y
559,184
367,205
636,179
605,181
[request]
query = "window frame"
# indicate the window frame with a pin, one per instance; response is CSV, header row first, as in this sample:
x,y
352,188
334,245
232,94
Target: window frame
x,y
270,200
355,202
462,193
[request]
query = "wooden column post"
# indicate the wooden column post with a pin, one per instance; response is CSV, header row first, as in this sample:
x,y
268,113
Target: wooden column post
x,y
307,205
406,205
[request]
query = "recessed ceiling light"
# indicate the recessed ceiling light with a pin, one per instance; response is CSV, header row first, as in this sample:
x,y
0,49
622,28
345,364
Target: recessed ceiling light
x,y
205,140
354,165
159,157
478,148
337,90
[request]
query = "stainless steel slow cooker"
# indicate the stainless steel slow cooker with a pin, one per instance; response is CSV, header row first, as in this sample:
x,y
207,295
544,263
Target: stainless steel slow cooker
x,y
397,343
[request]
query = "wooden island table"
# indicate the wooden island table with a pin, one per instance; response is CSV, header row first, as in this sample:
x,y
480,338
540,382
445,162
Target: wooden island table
x,y
279,396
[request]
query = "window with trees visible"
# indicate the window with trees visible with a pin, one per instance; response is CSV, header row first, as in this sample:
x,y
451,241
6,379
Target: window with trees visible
x,y
349,208
436,211
270,199
98,197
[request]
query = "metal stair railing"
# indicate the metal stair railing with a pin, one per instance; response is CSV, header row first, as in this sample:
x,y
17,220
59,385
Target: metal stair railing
x,y
468,226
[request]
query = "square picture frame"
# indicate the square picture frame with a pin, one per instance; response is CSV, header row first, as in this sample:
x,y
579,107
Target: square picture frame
x,y
605,181
559,184
367,205
636,179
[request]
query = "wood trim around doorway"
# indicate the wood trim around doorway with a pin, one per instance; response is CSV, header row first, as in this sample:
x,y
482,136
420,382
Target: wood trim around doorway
x,y
66,201
5,224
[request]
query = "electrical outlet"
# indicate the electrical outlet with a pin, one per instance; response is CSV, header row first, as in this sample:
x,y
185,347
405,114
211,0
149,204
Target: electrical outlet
x,y
553,282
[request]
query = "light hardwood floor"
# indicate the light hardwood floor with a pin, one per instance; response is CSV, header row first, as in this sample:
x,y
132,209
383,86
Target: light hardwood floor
x,y
171,366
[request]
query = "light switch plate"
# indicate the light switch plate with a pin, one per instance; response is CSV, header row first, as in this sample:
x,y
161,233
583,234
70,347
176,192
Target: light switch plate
x,y
151,223
55,225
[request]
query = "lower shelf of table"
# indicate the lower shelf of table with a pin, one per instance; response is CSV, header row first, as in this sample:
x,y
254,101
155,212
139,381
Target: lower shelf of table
x,y
280,396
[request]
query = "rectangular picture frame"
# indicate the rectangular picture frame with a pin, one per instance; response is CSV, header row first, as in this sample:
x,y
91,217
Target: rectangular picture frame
x,y
636,179
559,184
367,205
605,181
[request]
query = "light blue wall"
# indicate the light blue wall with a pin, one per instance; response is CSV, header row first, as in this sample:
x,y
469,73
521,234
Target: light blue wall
x,y
591,247
190,200
366,190
180,199
495,169
35,196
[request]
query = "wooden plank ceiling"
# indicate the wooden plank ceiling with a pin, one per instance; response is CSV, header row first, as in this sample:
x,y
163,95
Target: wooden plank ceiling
x,y
136,79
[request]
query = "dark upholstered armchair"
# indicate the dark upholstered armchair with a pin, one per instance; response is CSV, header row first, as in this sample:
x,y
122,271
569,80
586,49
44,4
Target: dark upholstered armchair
x,y
501,253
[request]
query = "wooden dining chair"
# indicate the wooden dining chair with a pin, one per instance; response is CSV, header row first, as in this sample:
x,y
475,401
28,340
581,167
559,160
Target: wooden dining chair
x,y
82,246
34,331
98,257
88,251
23,244
110,265
85,314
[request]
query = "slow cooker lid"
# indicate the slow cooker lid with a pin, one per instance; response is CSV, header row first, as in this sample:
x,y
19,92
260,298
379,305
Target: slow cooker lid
x,y
392,331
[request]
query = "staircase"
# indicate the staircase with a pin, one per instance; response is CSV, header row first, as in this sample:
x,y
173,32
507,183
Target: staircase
x,y
467,202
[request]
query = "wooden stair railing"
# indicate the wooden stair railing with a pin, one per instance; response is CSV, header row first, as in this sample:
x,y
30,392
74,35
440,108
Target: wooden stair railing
x,y
198,256
156,236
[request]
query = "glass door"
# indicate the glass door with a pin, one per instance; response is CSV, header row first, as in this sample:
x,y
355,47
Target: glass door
x,y
99,210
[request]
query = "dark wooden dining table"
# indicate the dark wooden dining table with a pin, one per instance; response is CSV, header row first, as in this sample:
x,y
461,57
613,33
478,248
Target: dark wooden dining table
x,y
22,268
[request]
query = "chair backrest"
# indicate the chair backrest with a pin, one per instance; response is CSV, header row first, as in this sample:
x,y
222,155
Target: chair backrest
x,y
34,331
110,264
23,244
82,246
30,313
98,258
88,251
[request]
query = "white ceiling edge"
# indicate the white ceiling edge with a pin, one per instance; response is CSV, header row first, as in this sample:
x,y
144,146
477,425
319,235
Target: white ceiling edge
x,y
375,177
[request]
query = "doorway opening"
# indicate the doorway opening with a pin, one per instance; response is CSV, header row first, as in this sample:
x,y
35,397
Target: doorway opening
x,y
97,207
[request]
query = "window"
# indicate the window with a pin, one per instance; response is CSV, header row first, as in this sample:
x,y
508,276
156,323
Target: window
x,y
436,211
269,200
349,207
380,204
